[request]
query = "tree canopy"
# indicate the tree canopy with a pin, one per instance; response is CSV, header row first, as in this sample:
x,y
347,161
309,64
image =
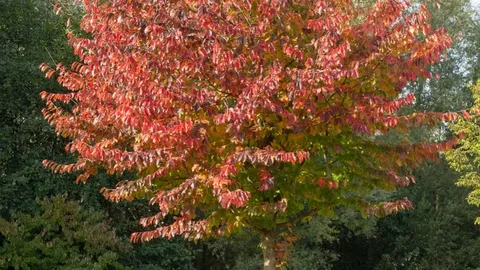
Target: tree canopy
x,y
246,114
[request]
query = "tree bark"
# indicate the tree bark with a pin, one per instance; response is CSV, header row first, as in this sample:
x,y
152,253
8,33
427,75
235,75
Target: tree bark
x,y
268,247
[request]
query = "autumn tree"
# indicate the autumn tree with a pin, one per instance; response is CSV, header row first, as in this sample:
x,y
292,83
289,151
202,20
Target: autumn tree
x,y
255,114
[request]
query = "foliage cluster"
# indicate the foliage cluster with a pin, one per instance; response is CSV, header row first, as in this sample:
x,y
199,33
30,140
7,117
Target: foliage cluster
x,y
61,236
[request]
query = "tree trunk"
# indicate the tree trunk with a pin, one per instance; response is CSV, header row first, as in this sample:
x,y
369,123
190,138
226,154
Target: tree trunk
x,y
268,246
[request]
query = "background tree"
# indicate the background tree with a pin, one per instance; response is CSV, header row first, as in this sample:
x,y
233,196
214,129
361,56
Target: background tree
x,y
464,158
62,235
256,114
438,234
25,137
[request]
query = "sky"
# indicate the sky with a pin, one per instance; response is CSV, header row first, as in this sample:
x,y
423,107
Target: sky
x,y
475,3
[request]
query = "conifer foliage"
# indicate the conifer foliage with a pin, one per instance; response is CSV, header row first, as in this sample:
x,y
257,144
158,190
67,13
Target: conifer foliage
x,y
245,113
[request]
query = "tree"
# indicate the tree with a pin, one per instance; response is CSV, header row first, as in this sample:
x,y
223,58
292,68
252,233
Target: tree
x,y
464,158
62,235
253,114
450,91
26,138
